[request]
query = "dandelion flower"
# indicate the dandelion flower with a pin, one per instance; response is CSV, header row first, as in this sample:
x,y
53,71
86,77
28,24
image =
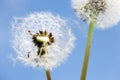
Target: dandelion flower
x,y
105,13
99,13
42,40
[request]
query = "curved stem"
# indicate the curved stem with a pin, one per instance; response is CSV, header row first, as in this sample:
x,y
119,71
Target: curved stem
x,y
87,52
48,74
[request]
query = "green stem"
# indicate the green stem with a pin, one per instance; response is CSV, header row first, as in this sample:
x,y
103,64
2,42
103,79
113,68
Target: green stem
x,y
87,52
48,74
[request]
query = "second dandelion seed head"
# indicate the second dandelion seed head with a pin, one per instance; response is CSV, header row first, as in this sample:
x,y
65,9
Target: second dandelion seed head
x,y
91,10
104,13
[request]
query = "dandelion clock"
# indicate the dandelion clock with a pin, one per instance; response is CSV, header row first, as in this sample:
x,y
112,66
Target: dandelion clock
x,y
99,13
42,40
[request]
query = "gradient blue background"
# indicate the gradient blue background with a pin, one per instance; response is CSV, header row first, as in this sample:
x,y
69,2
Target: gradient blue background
x,y
104,61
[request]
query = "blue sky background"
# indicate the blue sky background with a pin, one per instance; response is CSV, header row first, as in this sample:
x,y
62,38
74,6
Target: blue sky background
x,y
104,61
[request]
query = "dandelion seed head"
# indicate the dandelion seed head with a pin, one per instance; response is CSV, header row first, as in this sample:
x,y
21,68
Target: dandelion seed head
x,y
105,13
27,37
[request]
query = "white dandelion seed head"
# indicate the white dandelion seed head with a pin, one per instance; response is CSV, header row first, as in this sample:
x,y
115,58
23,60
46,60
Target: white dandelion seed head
x,y
107,11
23,44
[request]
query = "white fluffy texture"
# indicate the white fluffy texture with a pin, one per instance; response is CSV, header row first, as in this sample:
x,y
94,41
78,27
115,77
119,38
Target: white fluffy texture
x,y
22,42
110,17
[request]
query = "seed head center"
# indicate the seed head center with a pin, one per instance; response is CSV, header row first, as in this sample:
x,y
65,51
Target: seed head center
x,y
42,38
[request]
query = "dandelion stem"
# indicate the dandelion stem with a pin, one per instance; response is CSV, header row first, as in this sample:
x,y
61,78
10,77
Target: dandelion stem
x,y
48,74
87,52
